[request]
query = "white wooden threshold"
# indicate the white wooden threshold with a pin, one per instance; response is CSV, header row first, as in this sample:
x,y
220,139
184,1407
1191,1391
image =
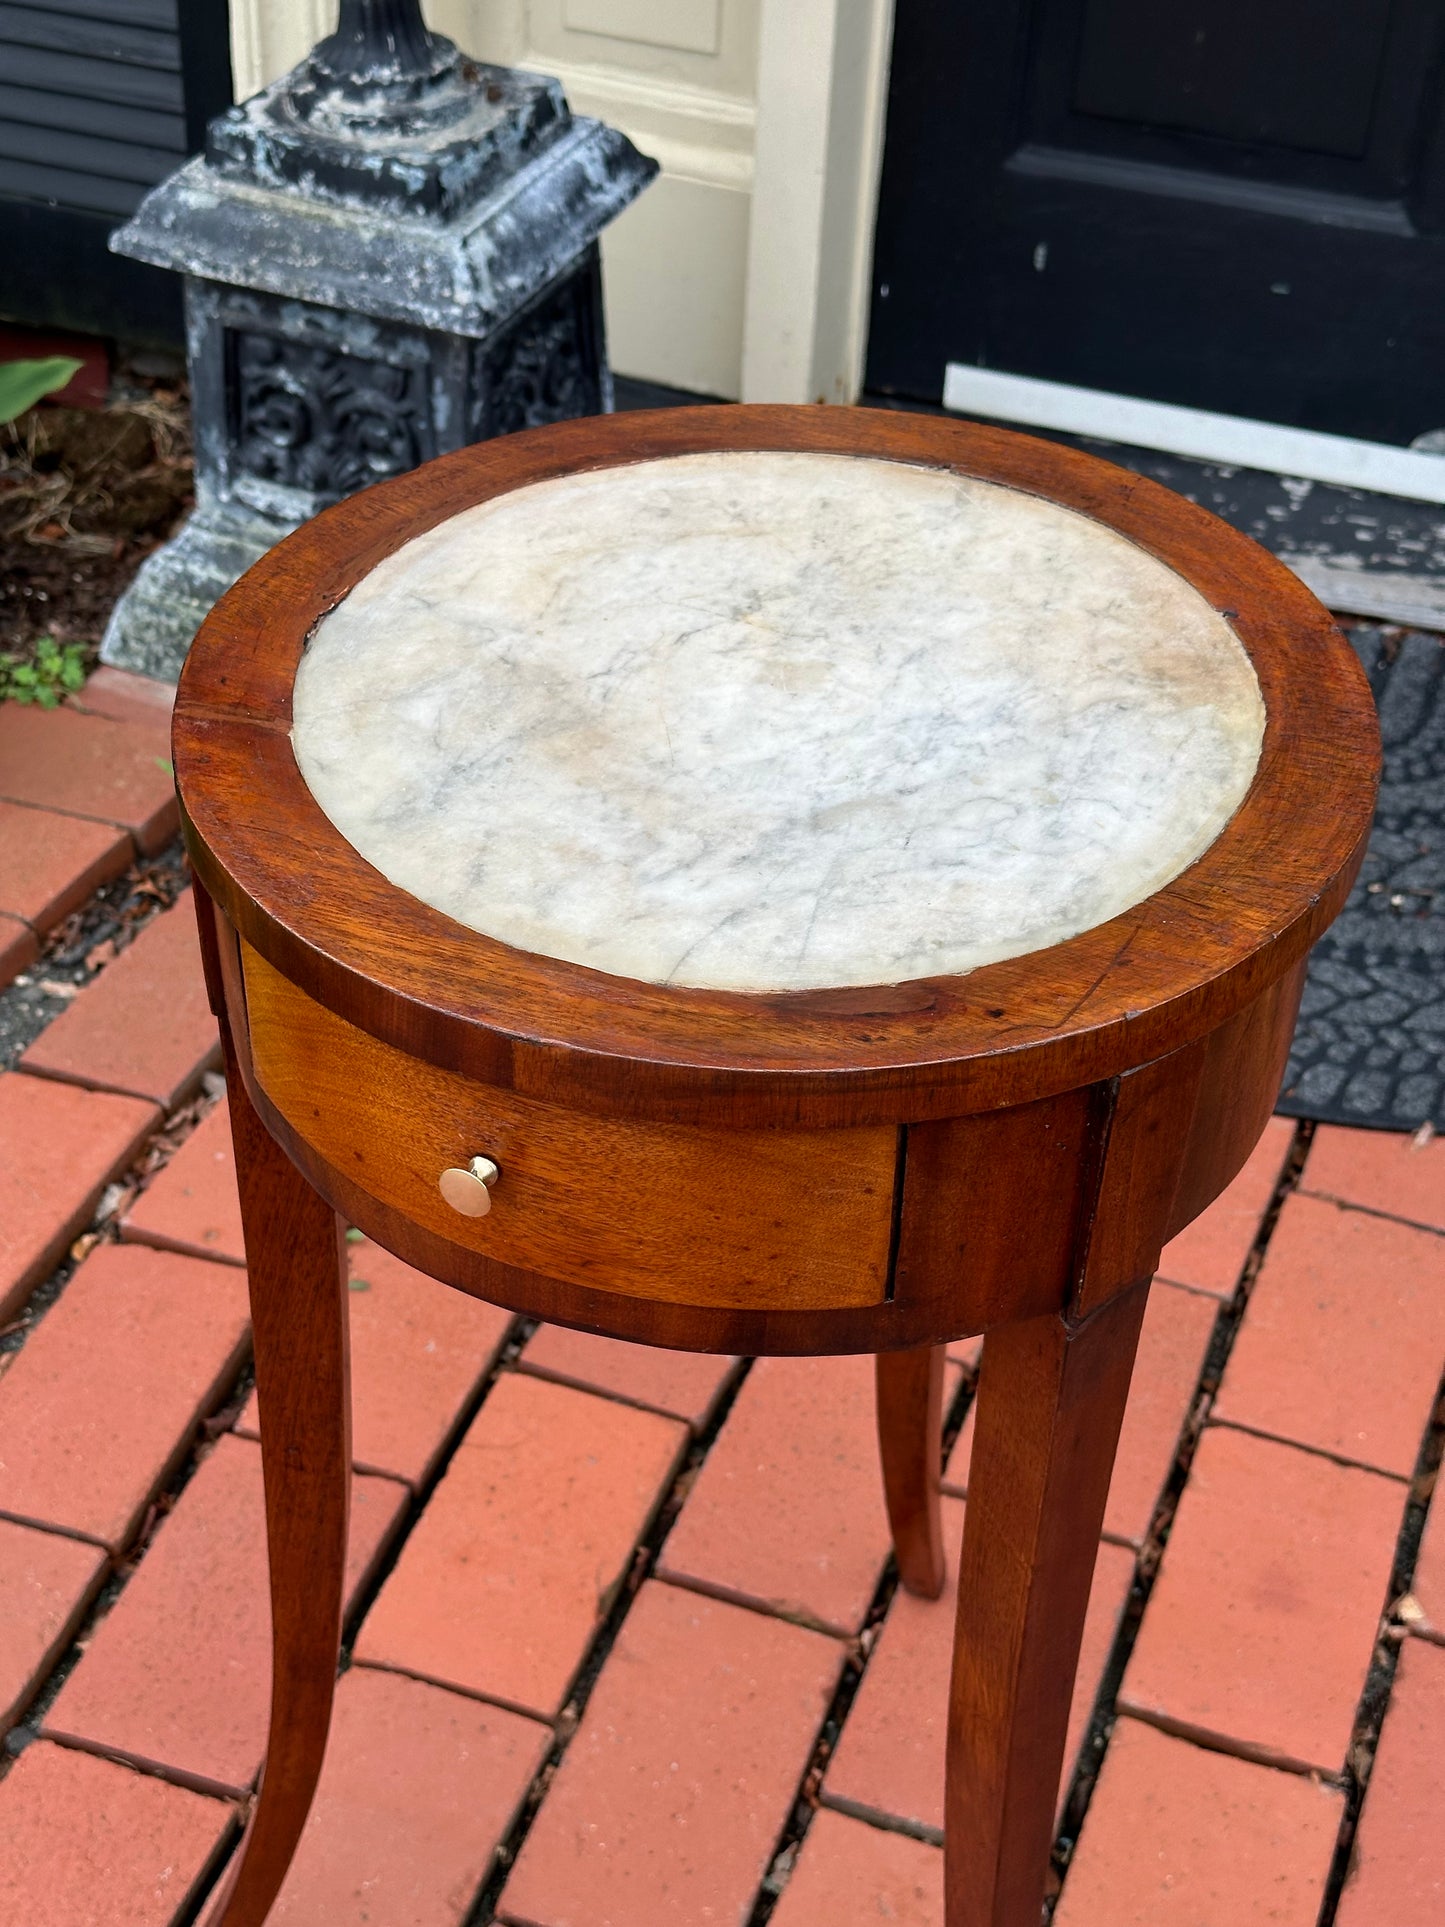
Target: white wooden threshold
x,y
1234,441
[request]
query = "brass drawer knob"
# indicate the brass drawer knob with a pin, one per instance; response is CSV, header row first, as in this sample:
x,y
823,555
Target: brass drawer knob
x,y
468,1188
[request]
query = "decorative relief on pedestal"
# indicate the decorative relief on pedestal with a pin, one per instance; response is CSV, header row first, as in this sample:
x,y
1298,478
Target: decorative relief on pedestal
x,y
315,417
544,369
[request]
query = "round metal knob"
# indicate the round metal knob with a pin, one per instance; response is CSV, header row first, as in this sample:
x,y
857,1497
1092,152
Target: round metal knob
x,y
468,1188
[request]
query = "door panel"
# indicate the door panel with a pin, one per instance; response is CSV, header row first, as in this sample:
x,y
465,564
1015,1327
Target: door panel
x,y
1215,68
1231,204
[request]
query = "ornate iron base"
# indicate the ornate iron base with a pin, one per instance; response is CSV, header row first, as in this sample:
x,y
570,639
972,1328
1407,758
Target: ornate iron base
x,y
389,253
151,627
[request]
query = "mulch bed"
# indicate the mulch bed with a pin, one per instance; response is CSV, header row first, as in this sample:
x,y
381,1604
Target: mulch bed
x,y
85,495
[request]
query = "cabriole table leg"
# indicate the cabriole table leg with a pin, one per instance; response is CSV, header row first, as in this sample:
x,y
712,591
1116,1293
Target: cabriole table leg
x,y
296,1263
1050,1403
910,1423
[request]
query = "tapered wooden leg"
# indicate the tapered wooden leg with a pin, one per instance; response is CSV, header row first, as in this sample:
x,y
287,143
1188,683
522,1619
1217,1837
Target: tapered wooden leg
x,y
296,1262
910,1426
1050,1403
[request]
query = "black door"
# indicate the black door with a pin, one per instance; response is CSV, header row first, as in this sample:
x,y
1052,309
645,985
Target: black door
x,y
1236,205
99,100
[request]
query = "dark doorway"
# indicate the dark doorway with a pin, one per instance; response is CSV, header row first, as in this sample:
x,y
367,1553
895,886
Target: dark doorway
x,y
1236,205
99,100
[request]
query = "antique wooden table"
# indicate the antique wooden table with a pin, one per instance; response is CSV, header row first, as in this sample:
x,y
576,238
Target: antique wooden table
x,y
770,881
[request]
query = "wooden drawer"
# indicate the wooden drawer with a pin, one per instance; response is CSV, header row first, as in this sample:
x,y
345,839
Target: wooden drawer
x,y
752,1220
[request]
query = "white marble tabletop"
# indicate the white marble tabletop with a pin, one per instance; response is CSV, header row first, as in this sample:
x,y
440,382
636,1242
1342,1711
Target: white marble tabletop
x,y
776,721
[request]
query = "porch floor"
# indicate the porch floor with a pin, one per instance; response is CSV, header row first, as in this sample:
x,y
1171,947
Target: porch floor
x,y
624,1644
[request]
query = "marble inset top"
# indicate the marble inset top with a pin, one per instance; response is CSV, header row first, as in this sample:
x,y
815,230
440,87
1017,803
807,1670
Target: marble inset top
x,y
763,721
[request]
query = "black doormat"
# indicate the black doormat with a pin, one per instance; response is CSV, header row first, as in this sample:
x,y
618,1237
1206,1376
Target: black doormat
x,y
1370,1047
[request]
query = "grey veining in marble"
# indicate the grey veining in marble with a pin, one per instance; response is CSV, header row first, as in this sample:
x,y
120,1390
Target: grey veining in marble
x,y
776,721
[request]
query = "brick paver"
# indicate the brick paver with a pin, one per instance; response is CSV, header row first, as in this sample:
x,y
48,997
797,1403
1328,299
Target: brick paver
x,y
18,948
852,1875
514,1564
178,1676
419,1349
99,1407
697,1732
1178,1326
418,1789
787,1512
1345,1337
85,1842
1210,1253
46,1582
92,766
1177,1836
127,697
50,864
686,1385
144,1025
61,1148
193,1205
1381,1170
1397,1872
889,1759
1263,1617
668,1803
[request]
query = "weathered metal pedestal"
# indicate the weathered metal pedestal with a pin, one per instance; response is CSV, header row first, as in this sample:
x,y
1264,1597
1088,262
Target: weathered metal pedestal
x,y
389,253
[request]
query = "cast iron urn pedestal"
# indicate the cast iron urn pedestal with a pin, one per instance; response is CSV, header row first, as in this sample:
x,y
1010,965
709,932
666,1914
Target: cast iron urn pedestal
x,y
390,252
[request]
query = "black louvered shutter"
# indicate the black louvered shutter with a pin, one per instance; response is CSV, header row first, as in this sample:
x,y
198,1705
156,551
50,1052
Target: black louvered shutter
x,y
99,100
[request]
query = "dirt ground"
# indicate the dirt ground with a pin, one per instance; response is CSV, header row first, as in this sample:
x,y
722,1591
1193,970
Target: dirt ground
x,y
85,495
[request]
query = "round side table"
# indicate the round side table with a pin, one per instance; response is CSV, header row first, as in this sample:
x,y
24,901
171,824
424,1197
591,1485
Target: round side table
x,y
763,880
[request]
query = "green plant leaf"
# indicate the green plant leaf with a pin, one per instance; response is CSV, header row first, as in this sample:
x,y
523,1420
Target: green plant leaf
x,y
23,383
56,668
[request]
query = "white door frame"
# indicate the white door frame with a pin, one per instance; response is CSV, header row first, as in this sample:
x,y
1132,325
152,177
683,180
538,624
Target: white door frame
x,y
745,269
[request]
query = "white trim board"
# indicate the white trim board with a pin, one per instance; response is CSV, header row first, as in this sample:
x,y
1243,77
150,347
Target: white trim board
x,y
1229,439
1388,595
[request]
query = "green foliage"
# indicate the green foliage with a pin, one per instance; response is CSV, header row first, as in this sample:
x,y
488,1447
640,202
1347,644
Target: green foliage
x,y
23,383
54,669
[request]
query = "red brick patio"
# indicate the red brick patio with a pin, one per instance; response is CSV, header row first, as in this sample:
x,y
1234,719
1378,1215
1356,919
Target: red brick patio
x,y
624,1646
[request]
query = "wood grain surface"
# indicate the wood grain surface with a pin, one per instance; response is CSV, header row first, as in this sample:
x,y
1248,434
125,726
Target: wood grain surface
x,y
880,1169
1165,973
909,1393
795,1220
296,1272
1050,1404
